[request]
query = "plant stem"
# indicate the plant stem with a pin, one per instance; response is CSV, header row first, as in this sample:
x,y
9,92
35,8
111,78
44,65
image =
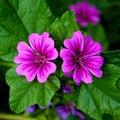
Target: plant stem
x,y
5,116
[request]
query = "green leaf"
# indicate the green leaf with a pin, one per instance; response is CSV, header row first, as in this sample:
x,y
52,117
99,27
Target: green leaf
x,y
102,96
20,18
64,27
112,57
23,93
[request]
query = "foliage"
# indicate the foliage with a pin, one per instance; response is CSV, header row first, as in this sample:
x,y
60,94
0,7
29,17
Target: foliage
x,y
19,18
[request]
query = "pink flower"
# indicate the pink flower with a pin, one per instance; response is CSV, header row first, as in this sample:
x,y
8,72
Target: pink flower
x,y
85,13
80,58
34,61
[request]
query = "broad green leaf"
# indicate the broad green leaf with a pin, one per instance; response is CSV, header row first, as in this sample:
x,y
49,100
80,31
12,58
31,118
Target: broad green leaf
x,y
102,96
112,57
23,93
35,14
20,18
64,27
11,28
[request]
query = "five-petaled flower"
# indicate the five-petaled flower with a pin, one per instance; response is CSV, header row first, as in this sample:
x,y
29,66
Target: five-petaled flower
x,y
85,13
35,60
80,58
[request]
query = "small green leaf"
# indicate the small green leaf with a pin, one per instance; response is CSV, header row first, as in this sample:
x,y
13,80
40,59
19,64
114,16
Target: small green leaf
x,y
102,96
23,93
64,27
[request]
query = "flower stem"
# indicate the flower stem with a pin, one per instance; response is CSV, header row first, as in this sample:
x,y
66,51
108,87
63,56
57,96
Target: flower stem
x,y
4,116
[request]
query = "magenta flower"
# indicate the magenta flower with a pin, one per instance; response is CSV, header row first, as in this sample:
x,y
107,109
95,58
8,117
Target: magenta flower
x,y
80,58
34,61
85,13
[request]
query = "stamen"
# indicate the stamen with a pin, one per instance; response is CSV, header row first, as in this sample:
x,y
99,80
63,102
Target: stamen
x,y
39,59
37,54
78,60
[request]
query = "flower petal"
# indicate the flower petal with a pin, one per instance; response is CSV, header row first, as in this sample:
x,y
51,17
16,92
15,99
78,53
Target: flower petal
x,y
68,74
30,109
24,49
93,15
29,70
68,60
68,66
45,70
82,74
35,40
51,54
93,64
63,111
91,47
75,44
95,61
44,45
25,53
77,113
24,59
67,55
83,22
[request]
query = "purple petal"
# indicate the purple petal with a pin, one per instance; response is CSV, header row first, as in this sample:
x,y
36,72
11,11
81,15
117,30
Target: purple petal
x,y
85,13
95,61
75,112
91,47
82,74
93,14
45,70
24,58
43,44
81,12
94,20
93,64
34,40
75,44
68,74
47,46
82,22
67,55
83,6
24,49
30,109
51,54
66,88
68,60
63,111
29,70
68,66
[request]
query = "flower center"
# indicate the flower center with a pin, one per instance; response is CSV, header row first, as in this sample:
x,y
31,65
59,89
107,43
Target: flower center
x,y
40,59
78,60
